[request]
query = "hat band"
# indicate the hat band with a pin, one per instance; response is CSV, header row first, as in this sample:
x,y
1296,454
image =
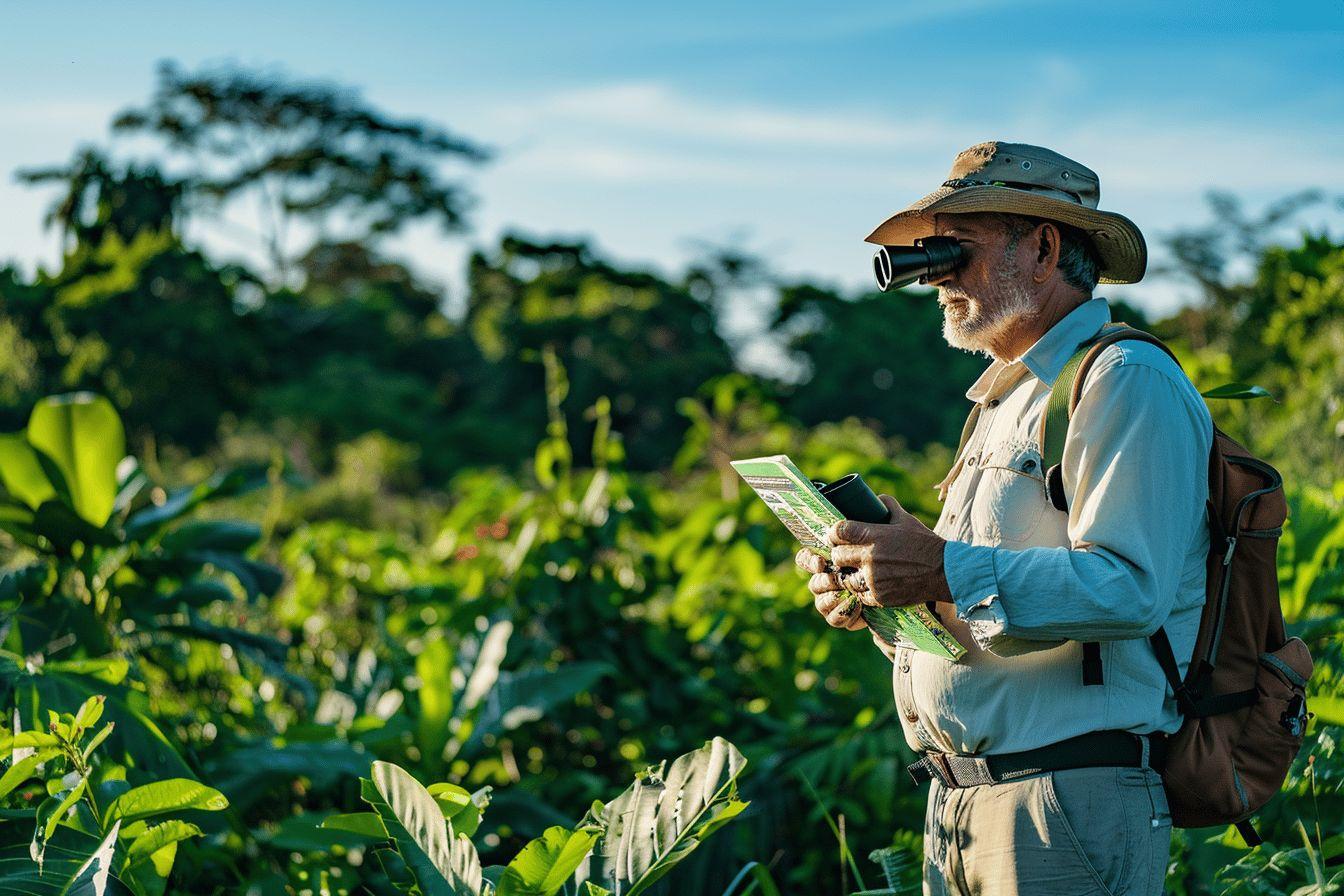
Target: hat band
x,y
959,182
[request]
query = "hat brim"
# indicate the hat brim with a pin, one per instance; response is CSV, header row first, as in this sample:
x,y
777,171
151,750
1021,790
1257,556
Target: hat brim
x,y
1124,254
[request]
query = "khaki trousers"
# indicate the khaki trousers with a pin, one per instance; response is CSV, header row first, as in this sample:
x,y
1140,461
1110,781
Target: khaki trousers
x,y
1079,832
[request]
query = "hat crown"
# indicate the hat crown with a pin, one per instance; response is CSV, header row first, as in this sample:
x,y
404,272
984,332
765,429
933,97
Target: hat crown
x,y
1025,167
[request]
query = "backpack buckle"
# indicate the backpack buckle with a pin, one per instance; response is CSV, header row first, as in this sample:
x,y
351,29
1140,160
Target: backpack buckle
x,y
1231,546
1294,718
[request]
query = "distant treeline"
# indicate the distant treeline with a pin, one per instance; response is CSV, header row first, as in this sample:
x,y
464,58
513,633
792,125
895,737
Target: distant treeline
x,y
332,338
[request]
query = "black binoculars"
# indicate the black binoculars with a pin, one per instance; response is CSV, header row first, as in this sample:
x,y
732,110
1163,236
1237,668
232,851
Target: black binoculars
x,y
897,266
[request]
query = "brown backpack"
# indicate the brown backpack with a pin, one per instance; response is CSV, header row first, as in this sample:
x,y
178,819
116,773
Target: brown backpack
x,y
1244,693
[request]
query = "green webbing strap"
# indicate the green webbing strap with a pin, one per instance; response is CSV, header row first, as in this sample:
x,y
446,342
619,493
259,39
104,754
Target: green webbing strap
x,y
1058,410
1055,429
1055,423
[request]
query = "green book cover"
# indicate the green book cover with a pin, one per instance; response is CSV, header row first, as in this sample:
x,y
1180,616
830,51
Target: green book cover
x,y
806,513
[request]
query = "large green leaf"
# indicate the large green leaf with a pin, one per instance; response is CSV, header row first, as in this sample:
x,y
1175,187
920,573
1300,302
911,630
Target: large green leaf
x,y
461,808
74,866
25,583
158,797
442,863
147,839
202,629
545,864
21,472
1237,391
248,771
93,876
111,669
83,436
25,768
448,713
218,535
525,696
365,824
223,484
434,669
664,815
308,832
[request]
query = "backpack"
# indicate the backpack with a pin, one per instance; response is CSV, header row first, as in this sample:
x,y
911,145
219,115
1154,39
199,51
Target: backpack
x,y
1243,697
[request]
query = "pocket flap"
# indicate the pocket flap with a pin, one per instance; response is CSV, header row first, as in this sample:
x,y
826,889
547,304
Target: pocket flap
x,y
1292,660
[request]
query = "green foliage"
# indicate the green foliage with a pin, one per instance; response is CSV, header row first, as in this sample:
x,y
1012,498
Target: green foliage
x,y
112,849
71,448
435,859
547,863
665,815
631,842
633,337
494,543
903,378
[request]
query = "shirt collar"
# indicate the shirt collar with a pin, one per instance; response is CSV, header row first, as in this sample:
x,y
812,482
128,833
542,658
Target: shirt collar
x,y
1048,355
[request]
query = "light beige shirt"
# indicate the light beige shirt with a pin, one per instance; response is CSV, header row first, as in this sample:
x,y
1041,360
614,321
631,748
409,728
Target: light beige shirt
x,y
1031,583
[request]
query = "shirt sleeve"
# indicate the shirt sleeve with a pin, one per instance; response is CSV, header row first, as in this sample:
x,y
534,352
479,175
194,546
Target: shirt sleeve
x,y
1136,465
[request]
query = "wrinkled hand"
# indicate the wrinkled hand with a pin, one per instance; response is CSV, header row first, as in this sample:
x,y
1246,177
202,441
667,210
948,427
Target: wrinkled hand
x,y
898,563
840,610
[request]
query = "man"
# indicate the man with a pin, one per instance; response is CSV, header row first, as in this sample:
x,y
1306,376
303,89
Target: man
x,y
1069,803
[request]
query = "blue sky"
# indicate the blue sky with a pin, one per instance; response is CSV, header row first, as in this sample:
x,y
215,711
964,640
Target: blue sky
x,y
787,128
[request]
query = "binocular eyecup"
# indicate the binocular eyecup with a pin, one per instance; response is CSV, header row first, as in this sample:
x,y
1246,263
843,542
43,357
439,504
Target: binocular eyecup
x,y
931,256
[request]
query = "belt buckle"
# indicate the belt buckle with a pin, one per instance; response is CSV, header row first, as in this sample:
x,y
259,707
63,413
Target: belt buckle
x,y
943,769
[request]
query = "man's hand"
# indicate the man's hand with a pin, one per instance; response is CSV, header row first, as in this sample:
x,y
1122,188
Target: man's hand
x,y
824,585
841,610
898,563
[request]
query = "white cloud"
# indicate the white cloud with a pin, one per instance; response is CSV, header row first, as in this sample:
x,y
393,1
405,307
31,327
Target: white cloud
x,y
655,109
626,131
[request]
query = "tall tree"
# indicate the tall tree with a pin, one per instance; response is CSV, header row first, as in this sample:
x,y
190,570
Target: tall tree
x,y
100,198
640,340
305,150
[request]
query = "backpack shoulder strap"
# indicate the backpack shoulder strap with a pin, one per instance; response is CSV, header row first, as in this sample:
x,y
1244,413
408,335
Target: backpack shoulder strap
x,y
1065,393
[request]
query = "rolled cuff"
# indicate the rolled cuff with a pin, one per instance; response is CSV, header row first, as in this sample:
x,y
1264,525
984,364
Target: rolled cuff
x,y
975,590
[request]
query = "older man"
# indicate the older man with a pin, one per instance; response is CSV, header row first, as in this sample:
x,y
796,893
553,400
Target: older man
x,y
1062,796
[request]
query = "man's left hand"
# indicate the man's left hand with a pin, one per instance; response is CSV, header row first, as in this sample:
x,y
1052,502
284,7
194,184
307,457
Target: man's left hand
x,y
900,562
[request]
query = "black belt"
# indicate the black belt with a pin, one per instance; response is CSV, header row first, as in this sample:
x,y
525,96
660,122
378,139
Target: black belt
x,y
1097,749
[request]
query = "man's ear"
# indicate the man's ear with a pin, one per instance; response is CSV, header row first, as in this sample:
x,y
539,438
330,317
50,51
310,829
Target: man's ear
x,y
1047,256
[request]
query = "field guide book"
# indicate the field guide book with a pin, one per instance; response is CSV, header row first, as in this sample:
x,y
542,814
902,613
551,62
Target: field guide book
x,y
802,508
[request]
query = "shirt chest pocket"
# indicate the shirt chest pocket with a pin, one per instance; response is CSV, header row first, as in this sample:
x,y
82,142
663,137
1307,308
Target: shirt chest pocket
x,y
1010,498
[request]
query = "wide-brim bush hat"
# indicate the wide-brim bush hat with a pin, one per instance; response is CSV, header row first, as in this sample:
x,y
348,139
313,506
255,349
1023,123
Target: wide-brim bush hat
x,y
1025,180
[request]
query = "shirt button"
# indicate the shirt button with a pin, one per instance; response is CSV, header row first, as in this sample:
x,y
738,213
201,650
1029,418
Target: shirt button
x,y
912,716
970,461
993,402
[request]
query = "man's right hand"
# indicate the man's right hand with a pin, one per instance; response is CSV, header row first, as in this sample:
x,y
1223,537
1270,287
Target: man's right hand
x,y
837,606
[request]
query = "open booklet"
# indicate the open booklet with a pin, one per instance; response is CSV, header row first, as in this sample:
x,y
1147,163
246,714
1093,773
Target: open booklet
x,y
807,514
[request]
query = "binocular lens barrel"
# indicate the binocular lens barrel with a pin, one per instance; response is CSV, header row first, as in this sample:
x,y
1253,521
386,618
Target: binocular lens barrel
x,y
932,256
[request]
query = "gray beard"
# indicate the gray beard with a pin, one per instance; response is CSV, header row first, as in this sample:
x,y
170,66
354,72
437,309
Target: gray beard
x,y
978,332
